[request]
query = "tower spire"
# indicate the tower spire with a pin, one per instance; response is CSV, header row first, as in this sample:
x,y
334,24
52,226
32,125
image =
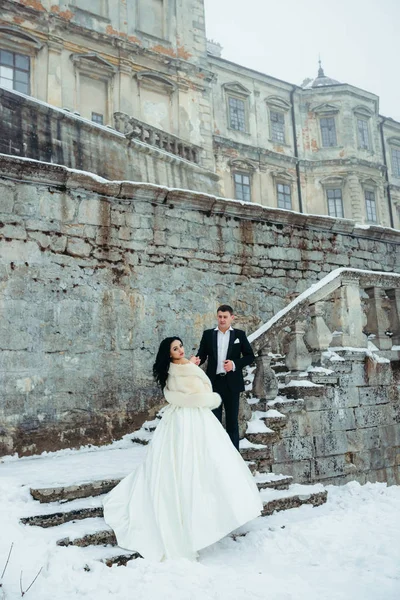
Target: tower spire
x,y
320,70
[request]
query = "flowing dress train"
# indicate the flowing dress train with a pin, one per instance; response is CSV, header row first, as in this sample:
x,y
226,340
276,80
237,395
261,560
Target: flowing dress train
x,y
193,487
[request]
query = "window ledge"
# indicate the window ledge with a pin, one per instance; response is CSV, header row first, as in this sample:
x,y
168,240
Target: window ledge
x,y
276,143
84,11
165,41
239,131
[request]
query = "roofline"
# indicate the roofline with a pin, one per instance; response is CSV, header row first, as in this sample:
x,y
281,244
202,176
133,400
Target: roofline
x,y
293,85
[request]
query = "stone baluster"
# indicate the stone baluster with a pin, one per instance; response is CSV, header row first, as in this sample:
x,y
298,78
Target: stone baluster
x,y
298,358
152,137
378,317
347,316
265,384
318,336
394,315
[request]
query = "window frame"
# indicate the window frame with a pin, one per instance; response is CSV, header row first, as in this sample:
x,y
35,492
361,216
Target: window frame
x,y
365,121
393,162
279,113
325,117
242,174
15,69
237,97
335,189
375,206
284,184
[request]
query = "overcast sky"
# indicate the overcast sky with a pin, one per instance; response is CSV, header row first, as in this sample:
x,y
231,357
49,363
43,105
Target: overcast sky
x,y
358,41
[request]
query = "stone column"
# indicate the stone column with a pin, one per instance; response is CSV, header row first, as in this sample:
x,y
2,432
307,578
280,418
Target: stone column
x,y
378,317
357,212
298,358
394,315
318,336
54,78
124,100
348,316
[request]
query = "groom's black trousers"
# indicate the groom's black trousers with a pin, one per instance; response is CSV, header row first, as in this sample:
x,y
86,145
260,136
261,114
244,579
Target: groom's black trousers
x,y
230,402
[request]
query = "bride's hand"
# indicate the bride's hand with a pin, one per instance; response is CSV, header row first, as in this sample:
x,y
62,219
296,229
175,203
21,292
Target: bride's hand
x,y
195,360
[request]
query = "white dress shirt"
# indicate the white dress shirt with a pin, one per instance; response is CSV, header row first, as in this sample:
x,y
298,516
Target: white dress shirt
x,y
222,349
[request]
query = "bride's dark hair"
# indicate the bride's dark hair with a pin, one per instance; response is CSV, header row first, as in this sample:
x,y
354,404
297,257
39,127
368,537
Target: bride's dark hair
x,y
163,360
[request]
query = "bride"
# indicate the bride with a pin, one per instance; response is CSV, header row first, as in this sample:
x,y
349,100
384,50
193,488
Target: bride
x,y
193,487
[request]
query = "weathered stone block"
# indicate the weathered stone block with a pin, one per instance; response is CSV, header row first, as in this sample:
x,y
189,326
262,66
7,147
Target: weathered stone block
x,y
374,395
77,247
94,212
16,232
6,199
331,444
295,449
60,207
373,416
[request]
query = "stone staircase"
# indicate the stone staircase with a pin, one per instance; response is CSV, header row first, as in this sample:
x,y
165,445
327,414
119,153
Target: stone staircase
x,y
79,507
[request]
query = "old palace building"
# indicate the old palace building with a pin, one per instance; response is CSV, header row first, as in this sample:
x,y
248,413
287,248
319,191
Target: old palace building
x,y
141,73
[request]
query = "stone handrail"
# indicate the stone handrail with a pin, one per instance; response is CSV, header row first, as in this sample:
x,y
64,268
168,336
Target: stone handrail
x,y
340,311
134,128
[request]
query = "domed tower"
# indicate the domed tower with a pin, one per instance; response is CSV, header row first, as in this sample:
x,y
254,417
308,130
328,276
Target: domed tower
x,y
320,81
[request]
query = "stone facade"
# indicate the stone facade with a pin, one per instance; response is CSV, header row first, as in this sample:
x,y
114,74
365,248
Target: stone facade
x,y
95,273
321,148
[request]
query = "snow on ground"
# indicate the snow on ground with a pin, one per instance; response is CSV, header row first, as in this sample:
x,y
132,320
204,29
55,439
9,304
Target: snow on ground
x,y
347,549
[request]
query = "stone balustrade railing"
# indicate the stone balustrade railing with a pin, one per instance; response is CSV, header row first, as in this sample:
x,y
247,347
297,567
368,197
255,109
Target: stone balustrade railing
x,y
346,309
133,128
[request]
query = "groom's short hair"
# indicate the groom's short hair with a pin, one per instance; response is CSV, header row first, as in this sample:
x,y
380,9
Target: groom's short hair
x,y
225,308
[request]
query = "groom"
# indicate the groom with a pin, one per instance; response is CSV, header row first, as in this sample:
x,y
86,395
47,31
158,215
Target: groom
x,y
228,351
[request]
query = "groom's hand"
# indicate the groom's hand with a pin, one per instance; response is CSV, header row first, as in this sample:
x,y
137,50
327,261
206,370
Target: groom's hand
x,y
195,360
228,365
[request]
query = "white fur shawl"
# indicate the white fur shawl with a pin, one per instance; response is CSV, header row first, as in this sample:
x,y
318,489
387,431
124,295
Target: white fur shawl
x,y
187,385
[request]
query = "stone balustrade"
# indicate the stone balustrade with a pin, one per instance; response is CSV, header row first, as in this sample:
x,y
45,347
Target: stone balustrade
x,y
133,128
346,309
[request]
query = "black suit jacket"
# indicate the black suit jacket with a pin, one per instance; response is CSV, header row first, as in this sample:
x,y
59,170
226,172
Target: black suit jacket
x,y
240,352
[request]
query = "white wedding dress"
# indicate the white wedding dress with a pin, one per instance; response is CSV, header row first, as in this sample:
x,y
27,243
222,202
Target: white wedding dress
x,y
193,487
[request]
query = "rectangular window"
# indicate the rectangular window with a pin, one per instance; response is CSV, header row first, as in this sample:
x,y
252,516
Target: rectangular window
x,y
277,126
97,118
15,71
242,187
328,132
396,162
363,134
335,202
237,113
284,196
370,206
151,17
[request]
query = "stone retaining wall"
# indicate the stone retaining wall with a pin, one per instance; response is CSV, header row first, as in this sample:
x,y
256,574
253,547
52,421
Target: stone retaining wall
x,y
93,274
347,431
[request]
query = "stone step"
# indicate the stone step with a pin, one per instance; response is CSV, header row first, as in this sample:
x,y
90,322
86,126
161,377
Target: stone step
x,y
277,501
324,379
58,518
265,438
286,405
72,492
81,512
295,496
272,481
255,452
297,389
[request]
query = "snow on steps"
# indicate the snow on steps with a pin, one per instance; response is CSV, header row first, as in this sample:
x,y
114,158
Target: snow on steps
x,y
97,533
83,508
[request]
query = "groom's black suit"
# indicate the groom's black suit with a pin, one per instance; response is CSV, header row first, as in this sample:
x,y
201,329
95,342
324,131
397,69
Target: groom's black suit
x,y
230,385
